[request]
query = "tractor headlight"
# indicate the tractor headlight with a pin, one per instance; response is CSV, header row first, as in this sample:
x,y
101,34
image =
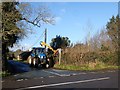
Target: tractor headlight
x,y
41,57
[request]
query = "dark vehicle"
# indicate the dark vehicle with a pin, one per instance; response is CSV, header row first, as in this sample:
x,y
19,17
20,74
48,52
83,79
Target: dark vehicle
x,y
24,55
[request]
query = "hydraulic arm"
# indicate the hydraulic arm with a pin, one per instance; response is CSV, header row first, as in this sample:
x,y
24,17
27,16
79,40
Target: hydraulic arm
x,y
44,44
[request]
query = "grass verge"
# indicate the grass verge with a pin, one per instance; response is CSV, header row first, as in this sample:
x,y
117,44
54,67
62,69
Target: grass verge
x,y
86,67
4,74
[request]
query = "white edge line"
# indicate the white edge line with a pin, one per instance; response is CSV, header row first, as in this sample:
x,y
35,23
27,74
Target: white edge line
x,y
65,83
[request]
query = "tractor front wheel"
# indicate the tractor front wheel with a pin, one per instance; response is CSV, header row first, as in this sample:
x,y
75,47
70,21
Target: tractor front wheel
x,y
30,61
35,62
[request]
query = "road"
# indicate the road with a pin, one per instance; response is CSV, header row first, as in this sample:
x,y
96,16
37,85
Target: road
x,y
32,78
52,78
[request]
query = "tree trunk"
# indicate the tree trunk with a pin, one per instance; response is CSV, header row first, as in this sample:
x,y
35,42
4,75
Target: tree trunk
x,y
4,57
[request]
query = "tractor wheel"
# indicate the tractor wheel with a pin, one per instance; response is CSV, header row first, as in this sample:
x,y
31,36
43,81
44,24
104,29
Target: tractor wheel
x,y
47,65
43,66
51,62
35,62
30,62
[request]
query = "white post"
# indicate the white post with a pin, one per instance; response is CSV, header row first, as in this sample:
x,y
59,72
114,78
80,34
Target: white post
x,y
18,57
59,50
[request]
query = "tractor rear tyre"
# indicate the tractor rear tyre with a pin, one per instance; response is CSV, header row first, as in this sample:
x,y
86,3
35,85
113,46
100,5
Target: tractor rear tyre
x,y
51,62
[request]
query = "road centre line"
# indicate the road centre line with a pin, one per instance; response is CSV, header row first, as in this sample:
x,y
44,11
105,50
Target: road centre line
x,y
65,83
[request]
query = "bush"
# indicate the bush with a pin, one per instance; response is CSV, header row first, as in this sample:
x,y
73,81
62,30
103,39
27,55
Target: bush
x,y
109,58
75,56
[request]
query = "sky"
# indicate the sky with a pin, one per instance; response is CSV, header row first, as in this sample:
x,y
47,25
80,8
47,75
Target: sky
x,y
73,20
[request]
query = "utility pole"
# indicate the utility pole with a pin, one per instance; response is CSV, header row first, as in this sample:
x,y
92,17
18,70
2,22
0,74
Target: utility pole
x,y
45,37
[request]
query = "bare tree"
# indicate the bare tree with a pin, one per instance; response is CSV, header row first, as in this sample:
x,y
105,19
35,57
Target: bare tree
x,y
36,16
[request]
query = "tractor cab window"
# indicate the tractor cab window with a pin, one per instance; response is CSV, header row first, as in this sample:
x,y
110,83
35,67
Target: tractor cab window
x,y
33,51
42,50
37,51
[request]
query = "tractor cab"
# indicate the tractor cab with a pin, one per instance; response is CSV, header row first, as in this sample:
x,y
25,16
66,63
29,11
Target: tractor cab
x,y
38,52
40,57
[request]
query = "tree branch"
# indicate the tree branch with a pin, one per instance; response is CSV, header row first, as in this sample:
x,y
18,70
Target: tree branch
x,y
31,22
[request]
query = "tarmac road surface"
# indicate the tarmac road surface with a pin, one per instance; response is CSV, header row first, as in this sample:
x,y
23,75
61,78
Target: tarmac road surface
x,y
53,78
31,78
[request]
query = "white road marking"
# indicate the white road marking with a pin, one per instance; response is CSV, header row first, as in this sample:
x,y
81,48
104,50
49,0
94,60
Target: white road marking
x,y
20,80
16,75
93,72
26,79
74,74
63,75
111,71
51,76
2,81
82,73
35,78
65,83
58,70
52,73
